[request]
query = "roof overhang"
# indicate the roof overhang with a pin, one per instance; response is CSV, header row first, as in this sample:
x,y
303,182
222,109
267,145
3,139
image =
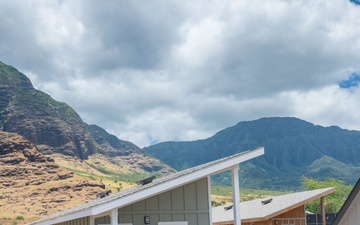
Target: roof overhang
x,y
325,193
280,209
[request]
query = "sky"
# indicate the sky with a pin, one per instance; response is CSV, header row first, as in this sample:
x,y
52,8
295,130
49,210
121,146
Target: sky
x,y
159,70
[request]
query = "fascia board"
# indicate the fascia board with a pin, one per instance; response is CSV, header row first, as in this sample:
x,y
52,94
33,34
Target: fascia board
x,y
177,182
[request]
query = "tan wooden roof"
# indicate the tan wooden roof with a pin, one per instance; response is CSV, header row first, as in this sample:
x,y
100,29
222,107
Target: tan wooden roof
x,y
255,210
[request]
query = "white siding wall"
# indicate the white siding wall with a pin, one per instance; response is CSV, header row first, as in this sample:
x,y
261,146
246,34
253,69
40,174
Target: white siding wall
x,y
354,216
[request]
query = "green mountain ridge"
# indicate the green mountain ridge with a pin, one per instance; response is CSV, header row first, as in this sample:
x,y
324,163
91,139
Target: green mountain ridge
x,y
293,148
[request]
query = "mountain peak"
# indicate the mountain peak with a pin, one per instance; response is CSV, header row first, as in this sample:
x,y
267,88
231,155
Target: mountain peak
x,y
10,76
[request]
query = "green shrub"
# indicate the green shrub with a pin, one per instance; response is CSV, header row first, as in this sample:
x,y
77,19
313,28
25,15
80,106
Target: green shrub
x,y
20,218
333,201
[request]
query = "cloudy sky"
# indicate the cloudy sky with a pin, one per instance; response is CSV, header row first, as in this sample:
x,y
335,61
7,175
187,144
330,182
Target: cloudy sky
x,y
151,71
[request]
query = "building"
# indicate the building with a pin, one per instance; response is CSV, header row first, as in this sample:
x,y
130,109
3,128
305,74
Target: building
x,y
349,213
285,209
180,198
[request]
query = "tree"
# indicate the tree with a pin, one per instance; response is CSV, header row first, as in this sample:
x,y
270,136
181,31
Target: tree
x,y
334,201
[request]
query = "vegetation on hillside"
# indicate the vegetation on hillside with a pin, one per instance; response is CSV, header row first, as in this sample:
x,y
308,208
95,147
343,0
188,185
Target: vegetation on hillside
x,y
293,148
114,181
334,201
221,195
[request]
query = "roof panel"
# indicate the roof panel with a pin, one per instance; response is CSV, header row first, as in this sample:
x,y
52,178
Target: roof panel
x,y
255,209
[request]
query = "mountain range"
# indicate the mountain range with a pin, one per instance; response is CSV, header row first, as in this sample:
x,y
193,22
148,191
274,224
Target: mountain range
x,y
294,148
56,129
50,159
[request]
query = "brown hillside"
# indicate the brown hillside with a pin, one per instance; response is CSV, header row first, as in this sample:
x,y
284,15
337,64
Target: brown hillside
x,y
32,185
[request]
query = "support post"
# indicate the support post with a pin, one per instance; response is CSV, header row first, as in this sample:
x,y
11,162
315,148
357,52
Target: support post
x,y
114,217
209,196
236,194
323,216
92,220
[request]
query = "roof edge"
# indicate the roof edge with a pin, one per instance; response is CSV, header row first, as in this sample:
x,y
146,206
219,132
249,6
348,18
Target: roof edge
x,y
330,191
259,218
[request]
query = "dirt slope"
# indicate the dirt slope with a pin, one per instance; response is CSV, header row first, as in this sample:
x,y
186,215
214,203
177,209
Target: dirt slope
x,y
32,185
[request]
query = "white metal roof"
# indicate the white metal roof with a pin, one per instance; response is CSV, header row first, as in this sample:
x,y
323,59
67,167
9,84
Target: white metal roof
x,y
140,192
256,210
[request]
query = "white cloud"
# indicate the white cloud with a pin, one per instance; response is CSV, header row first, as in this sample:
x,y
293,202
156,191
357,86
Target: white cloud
x,y
177,70
328,106
161,124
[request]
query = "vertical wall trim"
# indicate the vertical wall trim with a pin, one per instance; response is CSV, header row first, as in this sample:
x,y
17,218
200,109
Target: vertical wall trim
x,y
305,212
209,196
358,211
92,220
236,194
114,216
119,216
323,216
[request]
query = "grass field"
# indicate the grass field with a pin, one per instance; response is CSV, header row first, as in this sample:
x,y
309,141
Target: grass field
x,y
221,195
112,181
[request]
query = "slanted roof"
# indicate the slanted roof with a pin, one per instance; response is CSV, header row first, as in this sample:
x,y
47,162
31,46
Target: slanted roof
x,y
351,203
140,192
255,210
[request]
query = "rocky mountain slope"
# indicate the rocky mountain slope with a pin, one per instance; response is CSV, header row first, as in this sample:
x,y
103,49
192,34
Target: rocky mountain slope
x,y
130,156
52,125
32,185
293,148
55,128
